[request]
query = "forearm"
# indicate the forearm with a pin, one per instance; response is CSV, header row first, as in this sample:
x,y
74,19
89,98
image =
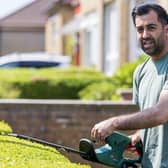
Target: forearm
x,y
140,120
148,118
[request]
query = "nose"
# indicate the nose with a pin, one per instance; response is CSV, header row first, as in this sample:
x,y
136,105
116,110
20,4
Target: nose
x,y
145,34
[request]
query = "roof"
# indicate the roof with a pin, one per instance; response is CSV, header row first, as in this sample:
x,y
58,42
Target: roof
x,y
31,15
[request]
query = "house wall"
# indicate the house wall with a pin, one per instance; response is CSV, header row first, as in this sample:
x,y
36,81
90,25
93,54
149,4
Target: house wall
x,y
123,8
63,122
160,2
93,5
54,40
123,34
163,3
21,41
127,43
86,8
124,42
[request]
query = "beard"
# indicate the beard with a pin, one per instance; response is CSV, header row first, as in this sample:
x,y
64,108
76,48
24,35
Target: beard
x,y
151,46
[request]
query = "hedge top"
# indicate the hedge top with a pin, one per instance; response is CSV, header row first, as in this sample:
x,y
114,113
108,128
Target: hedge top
x,y
17,153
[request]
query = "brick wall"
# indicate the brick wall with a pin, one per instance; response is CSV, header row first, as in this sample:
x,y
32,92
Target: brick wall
x,y
60,121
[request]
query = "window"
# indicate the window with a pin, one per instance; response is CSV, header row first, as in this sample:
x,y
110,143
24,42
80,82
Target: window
x,y
91,40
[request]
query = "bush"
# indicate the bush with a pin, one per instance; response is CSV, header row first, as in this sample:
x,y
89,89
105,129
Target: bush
x,y
99,91
123,77
5,128
70,83
107,90
18,153
46,83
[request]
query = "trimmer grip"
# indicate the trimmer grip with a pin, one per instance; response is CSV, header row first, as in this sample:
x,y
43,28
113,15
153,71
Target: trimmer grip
x,y
117,138
121,143
139,149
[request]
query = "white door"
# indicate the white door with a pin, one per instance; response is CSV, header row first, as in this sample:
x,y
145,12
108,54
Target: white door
x,y
111,55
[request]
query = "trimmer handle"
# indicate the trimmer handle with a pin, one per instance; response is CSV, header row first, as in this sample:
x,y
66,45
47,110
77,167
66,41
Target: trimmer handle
x,y
137,148
121,143
120,139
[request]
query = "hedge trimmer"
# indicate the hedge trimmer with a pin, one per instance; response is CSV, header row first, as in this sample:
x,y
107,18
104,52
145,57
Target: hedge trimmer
x,y
111,154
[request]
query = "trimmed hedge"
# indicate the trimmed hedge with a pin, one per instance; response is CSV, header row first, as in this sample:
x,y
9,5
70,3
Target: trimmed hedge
x,y
104,90
70,83
52,83
18,153
107,90
5,128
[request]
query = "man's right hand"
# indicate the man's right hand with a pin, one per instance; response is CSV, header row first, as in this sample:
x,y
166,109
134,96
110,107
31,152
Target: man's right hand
x,y
135,138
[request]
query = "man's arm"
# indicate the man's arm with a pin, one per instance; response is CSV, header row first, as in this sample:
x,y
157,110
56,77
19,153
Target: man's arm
x,y
148,118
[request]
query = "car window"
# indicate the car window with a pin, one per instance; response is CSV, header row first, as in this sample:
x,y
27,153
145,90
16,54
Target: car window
x,y
30,64
38,64
10,65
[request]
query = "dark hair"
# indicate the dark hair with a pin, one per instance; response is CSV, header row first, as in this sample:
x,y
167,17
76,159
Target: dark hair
x,y
146,8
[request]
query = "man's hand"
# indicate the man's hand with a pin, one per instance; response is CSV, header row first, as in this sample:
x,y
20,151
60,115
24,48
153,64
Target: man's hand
x,y
150,117
135,138
103,129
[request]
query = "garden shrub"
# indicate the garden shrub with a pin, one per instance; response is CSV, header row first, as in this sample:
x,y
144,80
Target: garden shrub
x,y
19,153
123,77
5,128
99,91
107,90
52,83
68,83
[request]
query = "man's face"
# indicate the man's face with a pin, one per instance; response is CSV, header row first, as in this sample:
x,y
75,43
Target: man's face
x,y
151,34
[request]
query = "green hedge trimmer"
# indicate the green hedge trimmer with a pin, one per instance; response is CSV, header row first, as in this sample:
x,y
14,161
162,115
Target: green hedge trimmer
x,y
111,154
114,152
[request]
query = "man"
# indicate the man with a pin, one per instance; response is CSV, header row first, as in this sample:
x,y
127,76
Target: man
x,y
150,90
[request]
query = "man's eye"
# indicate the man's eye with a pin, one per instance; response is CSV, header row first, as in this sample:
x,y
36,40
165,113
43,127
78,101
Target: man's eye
x,y
140,29
151,28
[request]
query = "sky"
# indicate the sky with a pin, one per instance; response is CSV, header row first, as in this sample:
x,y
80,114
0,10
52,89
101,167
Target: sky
x,y
9,6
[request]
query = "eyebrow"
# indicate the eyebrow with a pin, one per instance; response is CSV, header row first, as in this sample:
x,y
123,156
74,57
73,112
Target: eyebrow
x,y
150,24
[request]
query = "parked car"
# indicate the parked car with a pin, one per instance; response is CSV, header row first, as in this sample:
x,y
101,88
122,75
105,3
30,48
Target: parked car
x,y
33,60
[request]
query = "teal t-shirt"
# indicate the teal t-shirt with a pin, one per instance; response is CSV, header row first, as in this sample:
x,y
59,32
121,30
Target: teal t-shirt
x,y
150,79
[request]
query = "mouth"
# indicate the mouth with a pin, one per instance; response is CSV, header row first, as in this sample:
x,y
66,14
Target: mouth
x,y
148,43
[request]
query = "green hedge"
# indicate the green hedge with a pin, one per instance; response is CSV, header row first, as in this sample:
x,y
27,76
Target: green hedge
x,y
104,90
5,128
123,77
46,83
70,83
107,90
18,153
